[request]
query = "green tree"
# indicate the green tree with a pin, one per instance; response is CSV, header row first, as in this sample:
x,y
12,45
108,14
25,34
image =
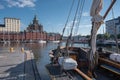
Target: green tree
x,y
118,36
106,36
112,36
100,36
87,36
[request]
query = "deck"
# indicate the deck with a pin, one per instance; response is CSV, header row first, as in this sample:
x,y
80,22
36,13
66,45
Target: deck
x,y
56,73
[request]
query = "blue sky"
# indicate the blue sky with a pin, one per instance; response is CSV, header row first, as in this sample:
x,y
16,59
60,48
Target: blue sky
x,y
52,14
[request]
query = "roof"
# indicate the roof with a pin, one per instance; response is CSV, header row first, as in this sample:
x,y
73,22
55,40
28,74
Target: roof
x,y
11,18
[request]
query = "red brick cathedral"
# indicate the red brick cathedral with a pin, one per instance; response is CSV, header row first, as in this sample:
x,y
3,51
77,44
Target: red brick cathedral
x,y
35,26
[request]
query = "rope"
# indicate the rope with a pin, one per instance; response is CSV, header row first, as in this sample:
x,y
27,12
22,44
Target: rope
x,y
79,18
66,23
72,27
57,52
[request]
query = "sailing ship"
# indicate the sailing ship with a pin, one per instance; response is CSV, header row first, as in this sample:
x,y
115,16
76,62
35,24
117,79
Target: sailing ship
x,y
77,63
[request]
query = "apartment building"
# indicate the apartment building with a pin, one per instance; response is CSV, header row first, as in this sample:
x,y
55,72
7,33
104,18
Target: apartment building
x,y
10,25
112,26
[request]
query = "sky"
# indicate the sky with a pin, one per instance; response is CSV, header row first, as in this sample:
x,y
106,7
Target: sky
x,y
52,14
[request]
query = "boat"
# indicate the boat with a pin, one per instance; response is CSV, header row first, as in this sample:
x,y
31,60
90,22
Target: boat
x,y
108,67
56,41
53,41
87,63
41,41
105,43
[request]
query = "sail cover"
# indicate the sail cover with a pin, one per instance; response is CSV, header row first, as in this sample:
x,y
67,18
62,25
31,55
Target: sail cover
x,y
115,57
97,20
67,63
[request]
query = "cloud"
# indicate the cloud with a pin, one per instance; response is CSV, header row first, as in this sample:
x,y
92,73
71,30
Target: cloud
x,y
85,14
21,3
1,6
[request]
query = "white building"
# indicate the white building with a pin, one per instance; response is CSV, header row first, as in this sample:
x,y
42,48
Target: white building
x,y
112,26
10,25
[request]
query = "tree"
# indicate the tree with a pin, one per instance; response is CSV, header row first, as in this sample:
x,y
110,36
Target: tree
x,y
112,36
106,36
100,36
87,36
118,36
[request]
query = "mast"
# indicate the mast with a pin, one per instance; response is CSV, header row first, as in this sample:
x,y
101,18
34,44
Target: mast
x,y
97,20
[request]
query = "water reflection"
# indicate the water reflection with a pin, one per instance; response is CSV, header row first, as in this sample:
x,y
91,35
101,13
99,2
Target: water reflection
x,y
36,48
45,60
6,47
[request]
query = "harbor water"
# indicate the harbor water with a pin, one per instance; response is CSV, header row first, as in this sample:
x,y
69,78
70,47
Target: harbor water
x,y
40,51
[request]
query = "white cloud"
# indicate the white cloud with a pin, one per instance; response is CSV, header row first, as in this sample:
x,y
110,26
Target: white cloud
x,y
1,6
85,14
21,3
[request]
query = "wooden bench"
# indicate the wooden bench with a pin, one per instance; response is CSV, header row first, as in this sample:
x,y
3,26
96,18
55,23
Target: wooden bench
x,y
111,68
110,65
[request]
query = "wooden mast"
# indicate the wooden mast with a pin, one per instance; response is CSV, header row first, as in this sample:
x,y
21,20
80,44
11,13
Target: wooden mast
x,y
108,10
92,55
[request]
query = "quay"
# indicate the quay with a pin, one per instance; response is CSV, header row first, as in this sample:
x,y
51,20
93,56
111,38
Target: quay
x,y
18,65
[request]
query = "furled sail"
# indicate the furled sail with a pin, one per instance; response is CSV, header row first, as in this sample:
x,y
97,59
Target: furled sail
x,y
97,20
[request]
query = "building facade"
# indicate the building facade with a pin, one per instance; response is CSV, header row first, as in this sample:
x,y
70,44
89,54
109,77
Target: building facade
x,y
10,25
112,26
35,26
34,32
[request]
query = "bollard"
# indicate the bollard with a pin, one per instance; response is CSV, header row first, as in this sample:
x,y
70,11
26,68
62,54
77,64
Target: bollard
x,y
22,50
11,49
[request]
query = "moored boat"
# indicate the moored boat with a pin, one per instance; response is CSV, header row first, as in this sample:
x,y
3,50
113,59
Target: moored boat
x,y
41,41
107,69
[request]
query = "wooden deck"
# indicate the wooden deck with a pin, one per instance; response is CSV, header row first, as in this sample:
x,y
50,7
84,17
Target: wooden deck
x,y
80,55
56,73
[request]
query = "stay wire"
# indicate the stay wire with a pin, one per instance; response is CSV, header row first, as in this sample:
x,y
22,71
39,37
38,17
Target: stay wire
x,y
66,22
69,37
79,18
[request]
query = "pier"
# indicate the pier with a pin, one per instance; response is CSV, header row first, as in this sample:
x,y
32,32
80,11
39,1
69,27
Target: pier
x,y
18,65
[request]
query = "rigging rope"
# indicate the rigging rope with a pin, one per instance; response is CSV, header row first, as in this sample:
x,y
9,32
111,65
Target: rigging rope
x,y
58,48
66,23
79,17
69,37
